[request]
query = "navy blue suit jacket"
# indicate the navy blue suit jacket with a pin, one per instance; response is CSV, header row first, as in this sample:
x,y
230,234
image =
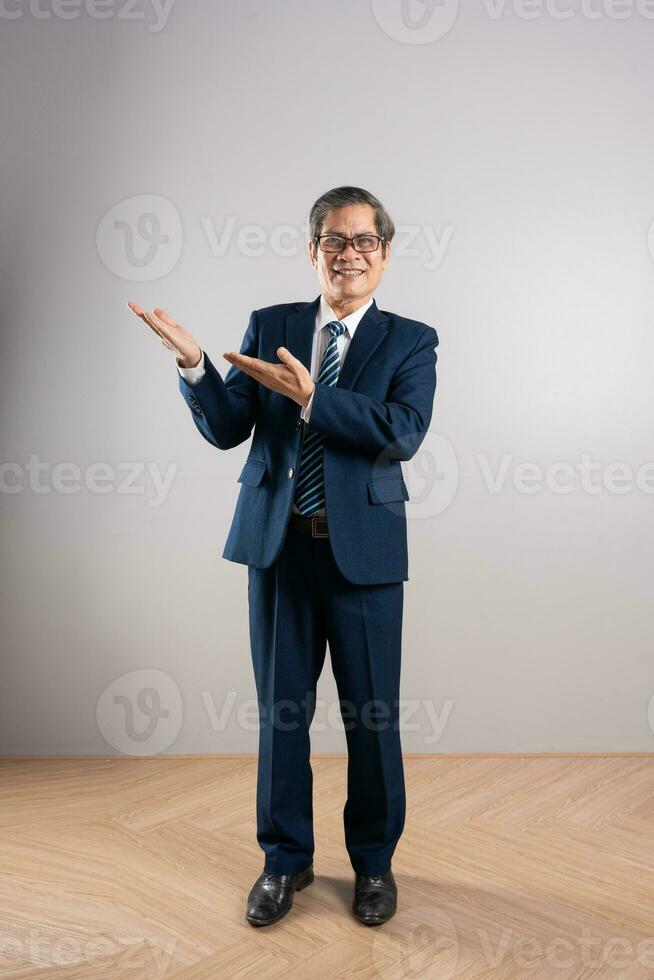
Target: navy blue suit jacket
x,y
377,414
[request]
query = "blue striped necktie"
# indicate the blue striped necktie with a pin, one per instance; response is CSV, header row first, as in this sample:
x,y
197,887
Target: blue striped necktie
x,y
310,489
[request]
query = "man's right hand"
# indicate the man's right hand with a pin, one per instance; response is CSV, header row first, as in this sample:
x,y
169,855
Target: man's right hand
x,y
172,335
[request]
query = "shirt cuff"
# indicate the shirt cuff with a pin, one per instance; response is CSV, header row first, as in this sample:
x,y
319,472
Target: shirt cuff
x,y
306,412
193,374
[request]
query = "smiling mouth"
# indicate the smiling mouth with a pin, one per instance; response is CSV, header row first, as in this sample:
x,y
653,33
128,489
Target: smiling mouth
x,y
349,273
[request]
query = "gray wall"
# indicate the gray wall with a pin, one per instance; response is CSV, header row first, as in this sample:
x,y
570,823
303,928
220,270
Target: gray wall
x,y
513,146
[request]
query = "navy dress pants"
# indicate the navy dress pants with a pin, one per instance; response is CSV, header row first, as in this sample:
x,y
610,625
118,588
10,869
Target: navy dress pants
x,y
297,606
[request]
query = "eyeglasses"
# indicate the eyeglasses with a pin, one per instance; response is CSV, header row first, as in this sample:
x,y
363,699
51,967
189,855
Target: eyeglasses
x,y
360,243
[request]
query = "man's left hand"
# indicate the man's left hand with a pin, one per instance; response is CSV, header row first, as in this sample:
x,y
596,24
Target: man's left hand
x,y
289,378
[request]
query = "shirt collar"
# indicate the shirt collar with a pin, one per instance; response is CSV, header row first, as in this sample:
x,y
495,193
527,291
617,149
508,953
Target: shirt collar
x,y
351,321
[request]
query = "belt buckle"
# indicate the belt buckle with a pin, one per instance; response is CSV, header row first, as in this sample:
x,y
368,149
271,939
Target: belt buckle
x,y
314,527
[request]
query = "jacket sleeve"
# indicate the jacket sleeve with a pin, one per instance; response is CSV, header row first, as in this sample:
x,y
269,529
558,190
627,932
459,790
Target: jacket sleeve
x,y
193,374
224,411
393,428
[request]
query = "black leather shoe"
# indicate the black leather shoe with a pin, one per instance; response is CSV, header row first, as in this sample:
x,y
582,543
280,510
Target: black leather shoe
x,y
375,898
271,896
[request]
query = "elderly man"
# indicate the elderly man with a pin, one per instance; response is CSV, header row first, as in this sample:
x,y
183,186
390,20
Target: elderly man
x,y
338,392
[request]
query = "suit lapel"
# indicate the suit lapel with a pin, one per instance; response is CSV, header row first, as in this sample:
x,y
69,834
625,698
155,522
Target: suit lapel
x,y
299,332
370,331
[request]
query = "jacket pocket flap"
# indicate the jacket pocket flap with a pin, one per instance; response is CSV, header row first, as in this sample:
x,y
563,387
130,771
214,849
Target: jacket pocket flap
x,y
253,472
386,488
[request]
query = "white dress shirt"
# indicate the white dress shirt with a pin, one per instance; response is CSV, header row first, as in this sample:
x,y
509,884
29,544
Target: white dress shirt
x,y
324,316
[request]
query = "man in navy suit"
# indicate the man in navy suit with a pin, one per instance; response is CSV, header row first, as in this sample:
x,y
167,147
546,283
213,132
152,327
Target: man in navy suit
x,y
338,392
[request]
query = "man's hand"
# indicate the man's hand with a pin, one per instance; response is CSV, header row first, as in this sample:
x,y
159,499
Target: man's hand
x,y
172,335
289,378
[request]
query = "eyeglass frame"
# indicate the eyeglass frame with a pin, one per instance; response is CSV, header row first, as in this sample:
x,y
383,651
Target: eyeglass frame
x,y
347,241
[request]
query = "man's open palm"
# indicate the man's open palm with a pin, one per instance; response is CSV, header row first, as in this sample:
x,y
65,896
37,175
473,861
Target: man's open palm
x,y
290,377
171,334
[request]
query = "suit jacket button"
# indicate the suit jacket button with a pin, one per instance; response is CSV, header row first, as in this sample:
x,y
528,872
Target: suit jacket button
x,y
291,471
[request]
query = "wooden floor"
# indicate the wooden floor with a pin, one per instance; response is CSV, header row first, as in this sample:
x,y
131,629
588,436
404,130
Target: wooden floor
x,y
509,867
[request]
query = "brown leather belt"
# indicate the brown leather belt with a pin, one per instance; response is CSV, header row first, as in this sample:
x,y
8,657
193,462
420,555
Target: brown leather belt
x,y
316,526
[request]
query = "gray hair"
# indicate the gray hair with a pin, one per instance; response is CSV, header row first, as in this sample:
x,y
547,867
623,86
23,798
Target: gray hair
x,y
341,197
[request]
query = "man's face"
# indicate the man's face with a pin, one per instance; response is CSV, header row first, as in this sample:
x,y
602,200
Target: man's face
x,y
349,278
